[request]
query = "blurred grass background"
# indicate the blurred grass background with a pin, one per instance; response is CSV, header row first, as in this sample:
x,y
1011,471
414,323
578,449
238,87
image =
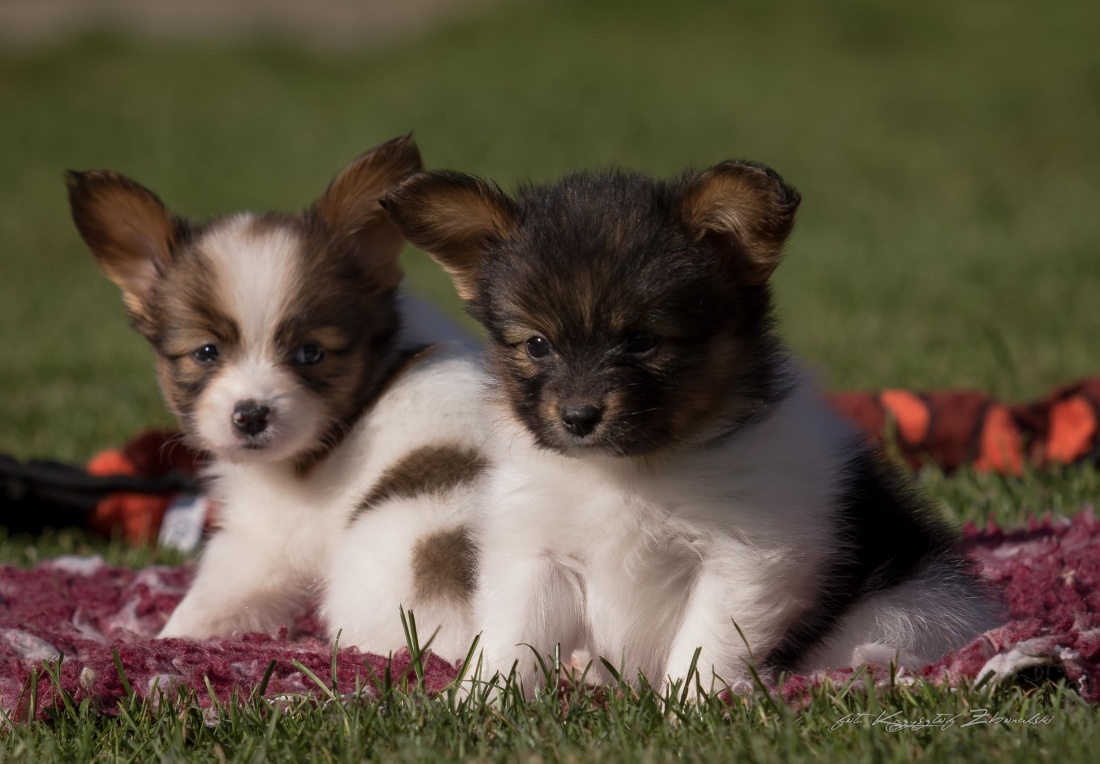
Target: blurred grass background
x,y
947,154
950,166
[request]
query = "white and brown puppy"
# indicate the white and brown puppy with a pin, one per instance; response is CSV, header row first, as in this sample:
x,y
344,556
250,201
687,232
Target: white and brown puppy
x,y
281,350
663,474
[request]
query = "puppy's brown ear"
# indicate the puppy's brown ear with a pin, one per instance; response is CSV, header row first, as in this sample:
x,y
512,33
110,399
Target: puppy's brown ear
x,y
452,217
349,207
746,211
127,228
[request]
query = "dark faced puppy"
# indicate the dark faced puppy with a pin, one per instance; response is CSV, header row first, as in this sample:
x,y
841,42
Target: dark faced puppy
x,y
670,492
627,314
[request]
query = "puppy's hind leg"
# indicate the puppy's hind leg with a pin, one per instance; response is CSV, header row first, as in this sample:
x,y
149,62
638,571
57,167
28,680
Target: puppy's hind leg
x,y
413,554
913,624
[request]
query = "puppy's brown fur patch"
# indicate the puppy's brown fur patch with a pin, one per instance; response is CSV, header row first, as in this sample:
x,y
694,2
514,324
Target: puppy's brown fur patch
x,y
425,470
443,567
197,319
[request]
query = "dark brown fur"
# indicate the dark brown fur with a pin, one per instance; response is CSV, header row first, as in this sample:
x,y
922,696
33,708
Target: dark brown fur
x,y
425,470
443,567
195,319
130,231
590,260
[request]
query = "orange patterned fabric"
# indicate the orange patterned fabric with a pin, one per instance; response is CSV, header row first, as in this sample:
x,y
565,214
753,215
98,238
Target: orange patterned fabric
x,y
952,428
137,516
1072,430
949,428
910,412
1001,448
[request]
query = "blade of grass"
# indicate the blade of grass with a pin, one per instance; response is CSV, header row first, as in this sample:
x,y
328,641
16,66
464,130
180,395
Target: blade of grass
x,y
315,679
261,690
122,673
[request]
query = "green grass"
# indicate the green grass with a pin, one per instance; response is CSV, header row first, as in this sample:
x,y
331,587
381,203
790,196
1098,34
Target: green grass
x,y
947,156
403,724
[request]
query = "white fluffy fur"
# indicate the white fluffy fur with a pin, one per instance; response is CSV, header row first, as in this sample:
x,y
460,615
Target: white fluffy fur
x,y
644,560
278,532
277,529
369,576
255,276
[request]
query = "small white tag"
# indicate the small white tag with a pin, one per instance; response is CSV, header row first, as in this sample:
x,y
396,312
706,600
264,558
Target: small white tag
x,y
183,523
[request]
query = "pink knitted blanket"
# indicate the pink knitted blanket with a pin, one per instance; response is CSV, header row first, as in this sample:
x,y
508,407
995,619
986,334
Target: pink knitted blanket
x,y
99,618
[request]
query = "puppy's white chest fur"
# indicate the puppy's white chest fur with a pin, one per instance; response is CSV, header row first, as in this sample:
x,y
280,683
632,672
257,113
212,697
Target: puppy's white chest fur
x,y
729,548
288,516
618,548
297,517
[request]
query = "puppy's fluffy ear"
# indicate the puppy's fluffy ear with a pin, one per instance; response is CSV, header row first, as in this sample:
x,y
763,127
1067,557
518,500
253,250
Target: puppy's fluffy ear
x,y
128,229
349,207
452,217
746,211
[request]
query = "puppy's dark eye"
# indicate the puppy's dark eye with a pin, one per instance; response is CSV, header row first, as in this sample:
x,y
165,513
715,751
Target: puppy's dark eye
x,y
538,347
309,354
206,354
639,342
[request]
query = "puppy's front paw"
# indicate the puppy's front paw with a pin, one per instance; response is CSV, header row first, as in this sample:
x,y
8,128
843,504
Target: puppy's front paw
x,y
192,623
183,627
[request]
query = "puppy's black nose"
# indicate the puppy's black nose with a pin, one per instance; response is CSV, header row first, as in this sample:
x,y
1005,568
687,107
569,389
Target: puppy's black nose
x,y
580,418
251,417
